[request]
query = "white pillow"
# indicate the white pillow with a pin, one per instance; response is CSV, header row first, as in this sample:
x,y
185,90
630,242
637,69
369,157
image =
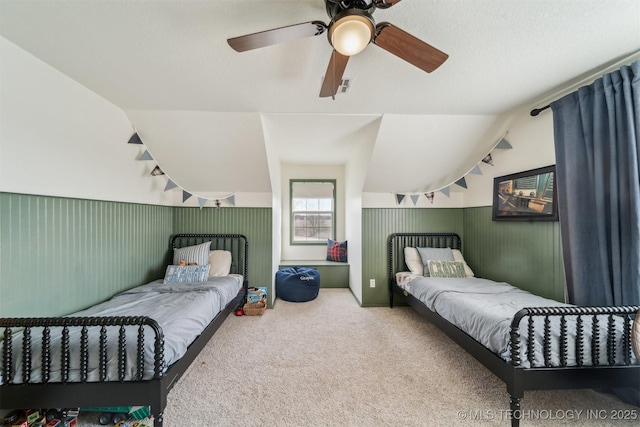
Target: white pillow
x,y
413,260
457,255
220,262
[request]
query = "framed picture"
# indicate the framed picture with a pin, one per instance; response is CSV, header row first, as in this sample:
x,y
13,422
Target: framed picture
x,y
526,196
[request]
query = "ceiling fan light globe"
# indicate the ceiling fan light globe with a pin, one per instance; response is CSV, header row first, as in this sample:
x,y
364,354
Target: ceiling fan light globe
x,y
350,34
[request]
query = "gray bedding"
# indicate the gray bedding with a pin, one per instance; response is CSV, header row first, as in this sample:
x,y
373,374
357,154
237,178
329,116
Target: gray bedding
x,y
182,310
484,309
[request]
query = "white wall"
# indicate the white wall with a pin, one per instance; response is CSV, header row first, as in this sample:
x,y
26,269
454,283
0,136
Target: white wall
x,y
355,175
533,147
275,174
58,138
310,252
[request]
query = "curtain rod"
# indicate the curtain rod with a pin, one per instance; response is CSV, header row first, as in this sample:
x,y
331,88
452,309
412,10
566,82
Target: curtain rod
x,y
581,82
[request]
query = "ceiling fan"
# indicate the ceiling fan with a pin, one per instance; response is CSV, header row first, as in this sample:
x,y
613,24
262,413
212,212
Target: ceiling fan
x,y
351,29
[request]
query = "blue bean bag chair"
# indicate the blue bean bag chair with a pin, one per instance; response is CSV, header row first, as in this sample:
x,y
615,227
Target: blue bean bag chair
x,y
297,284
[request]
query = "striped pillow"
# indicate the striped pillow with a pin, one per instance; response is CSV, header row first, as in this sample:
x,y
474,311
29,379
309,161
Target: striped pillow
x,y
198,254
186,274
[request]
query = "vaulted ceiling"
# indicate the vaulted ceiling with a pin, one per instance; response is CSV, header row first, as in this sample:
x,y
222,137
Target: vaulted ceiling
x,y
167,64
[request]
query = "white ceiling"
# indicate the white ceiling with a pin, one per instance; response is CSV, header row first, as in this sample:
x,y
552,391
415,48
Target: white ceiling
x,y
168,66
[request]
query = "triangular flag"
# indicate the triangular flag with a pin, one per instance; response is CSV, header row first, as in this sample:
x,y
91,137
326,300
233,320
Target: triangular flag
x,y
170,185
232,200
504,145
488,159
476,170
135,139
201,202
185,196
430,196
145,156
445,191
399,198
462,182
414,198
157,171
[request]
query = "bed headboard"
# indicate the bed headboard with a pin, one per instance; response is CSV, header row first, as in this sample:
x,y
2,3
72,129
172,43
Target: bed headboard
x,y
398,241
234,243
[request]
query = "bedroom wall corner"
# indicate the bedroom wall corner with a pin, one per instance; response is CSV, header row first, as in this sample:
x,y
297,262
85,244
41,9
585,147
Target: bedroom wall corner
x,y
379,223
255,223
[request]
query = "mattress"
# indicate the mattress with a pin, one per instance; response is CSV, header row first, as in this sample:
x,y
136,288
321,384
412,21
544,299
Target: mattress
x,y
484,309
182,310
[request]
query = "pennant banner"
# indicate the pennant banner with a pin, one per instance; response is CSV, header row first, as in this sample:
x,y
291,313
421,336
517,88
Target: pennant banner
x,y
170,185
476,170
414,198
488,159
430,196
462,182
157,171
504,145
145,156
135,139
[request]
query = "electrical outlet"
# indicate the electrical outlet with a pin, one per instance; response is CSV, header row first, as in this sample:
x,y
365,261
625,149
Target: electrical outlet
x,y
372,283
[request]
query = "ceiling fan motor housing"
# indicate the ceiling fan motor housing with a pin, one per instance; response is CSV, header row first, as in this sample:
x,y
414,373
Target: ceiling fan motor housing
x,y
334,7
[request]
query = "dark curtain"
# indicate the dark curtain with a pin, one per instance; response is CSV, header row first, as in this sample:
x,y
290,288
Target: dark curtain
x,y
596,132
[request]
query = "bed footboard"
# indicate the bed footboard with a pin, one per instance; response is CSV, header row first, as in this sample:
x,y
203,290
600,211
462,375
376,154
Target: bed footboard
x,y
571,347
67,326
62,362
584,336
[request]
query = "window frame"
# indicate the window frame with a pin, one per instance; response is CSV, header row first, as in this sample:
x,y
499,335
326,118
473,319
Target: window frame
x,y
292,240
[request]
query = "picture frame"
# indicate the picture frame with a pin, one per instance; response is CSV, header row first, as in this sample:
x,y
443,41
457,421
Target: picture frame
x,y
526,196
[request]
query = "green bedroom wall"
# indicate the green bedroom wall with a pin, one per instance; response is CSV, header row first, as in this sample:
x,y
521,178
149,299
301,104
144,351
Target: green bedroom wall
x,y
59,255
525,254
254,223
379,223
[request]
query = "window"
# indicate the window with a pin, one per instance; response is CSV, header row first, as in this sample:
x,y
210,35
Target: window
x,y
313,208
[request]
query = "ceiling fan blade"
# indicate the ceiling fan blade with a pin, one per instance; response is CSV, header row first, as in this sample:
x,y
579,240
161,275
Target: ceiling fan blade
x,y
333,76
407,47
277,36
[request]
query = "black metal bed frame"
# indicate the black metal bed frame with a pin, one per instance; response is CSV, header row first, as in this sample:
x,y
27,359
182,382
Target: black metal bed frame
x,y
137,392
539,376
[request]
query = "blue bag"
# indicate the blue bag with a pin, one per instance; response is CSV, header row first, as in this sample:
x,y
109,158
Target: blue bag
x,y
297,284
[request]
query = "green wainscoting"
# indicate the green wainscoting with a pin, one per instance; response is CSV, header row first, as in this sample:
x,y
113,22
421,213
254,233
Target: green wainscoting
x,y
254,223
379,223
59,255
526,254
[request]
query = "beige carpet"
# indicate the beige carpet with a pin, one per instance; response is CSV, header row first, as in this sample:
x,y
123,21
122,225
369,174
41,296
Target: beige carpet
x,y
329,362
